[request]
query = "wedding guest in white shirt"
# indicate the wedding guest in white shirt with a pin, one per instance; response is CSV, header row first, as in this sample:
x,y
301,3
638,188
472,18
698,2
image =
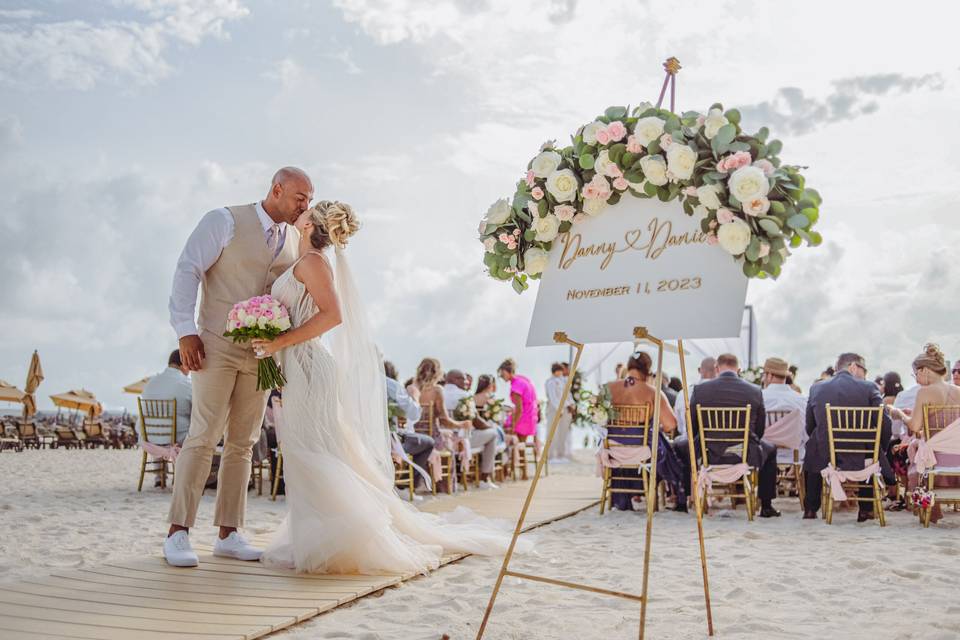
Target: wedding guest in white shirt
x,y
561,450
172,383
707,371
779,396
483,436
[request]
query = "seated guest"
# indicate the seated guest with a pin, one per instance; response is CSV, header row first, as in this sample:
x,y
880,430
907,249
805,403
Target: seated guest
x,y
636,389
418,446
707,371
847,388
426,386
486,388
792,379
729,390
890,387
482,434
779,396
172,383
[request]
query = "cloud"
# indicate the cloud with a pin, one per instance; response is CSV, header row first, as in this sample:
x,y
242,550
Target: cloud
x,y
78,54
791,111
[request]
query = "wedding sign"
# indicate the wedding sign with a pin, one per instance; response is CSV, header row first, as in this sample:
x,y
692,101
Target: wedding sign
x,y
643,262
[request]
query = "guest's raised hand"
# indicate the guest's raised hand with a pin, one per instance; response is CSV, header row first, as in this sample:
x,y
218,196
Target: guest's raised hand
x,y
191,352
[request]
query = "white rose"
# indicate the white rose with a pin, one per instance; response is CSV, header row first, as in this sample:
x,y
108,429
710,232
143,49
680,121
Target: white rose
x,y
489,244
590,131
709,196
654,169
284,323
603,162
756,207
714,120
734,236
535,260
748,183
546,227
681,160
250,321
648,129
262,322
562,185
593,206
499,212
532,208
545,164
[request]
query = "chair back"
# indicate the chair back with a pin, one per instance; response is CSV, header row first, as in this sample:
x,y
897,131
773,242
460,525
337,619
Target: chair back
x,y
775,416
722,430
158,419
427,420
630,426
93,428
26,429
937,417
854,431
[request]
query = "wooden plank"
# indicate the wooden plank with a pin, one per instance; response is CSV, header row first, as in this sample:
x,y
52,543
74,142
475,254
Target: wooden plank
x,y
131,624
27,635
228,565
45,627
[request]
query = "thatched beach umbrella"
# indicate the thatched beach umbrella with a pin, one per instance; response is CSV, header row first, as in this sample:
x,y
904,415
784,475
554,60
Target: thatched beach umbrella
x,y
9,393
34,378
136,388
81,400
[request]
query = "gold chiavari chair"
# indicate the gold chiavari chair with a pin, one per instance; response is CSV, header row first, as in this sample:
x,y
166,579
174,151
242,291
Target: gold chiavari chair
x,y
158,420
936,418
631,426
855,432
784,469
429,424
404,476
725,431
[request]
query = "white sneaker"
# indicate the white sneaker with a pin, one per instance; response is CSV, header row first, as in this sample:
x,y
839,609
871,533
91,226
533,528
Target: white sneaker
x,y
178,552
236,546
487,484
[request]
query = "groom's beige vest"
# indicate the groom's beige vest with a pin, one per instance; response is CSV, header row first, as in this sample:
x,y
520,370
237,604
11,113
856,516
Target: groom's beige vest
x,y
244,269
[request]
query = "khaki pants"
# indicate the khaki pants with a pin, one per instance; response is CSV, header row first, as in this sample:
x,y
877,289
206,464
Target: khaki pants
x,y
226,404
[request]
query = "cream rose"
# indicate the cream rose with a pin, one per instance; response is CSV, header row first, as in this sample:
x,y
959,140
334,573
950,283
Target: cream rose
x,y
499,212
680,161
489,244
545,164
546,227
748,183
712,123
654,169
648,129
592,207
756,207
709,196
734,236
603,162
535,260
562,185
590,131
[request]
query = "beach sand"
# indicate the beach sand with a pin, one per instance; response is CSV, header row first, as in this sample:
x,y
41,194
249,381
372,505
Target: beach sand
x,y
779,578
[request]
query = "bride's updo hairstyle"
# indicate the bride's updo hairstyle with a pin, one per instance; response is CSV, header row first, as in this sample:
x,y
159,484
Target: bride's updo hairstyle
x,y
333,223
932,359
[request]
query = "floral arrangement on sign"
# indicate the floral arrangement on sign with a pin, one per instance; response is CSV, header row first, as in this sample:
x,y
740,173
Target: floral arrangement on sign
x,y
748,202
466,409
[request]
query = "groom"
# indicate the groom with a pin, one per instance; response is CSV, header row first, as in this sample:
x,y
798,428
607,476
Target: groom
x,y
235,253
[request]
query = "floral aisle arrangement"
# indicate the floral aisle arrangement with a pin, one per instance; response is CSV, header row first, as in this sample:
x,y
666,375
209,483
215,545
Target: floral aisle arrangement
x,y
263,318
747,201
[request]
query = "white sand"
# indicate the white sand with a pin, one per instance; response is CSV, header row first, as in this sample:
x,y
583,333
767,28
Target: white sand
x,y
782,578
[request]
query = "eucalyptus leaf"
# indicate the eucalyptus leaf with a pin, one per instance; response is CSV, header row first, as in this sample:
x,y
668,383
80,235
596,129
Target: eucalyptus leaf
x,y
650,189
774,147
770,226
615,113
733,116
750,269
798,221
587,161
726,134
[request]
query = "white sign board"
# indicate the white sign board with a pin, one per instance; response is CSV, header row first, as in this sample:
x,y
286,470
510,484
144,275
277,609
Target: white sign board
x,y
641,262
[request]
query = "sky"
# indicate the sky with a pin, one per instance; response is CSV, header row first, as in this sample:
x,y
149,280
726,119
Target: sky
x,y
123,121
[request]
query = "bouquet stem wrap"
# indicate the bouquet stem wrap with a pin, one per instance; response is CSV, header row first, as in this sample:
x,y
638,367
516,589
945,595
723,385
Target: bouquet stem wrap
x,y
263,318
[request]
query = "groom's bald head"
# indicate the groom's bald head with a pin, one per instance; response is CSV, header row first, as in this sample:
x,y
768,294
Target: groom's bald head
x,y
290,194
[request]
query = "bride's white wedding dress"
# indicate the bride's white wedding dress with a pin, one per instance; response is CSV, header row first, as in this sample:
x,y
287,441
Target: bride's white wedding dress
x,y
344,515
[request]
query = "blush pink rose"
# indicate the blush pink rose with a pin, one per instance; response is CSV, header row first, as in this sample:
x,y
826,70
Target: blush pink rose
x,y
537,193
665,141
616,130
565,212
580,217
765,165
621,184
504,238
613,171
603,136
690,192
633,145
598,188
725,216
756,207
712,239
733,162
530,177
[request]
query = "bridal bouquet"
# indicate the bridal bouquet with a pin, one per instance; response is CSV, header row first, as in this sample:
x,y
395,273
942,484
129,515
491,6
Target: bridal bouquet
x,y
466,409
264,318
493,411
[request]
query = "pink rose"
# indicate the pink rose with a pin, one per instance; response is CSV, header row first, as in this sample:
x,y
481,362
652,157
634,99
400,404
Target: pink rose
x,y
616,131
621,184
725,216
537,193
597,188
565,212
633,145
603,136
765,165
665,141
504,238
764,250
580,217
690,192
613,171
530,177
712,239
733,162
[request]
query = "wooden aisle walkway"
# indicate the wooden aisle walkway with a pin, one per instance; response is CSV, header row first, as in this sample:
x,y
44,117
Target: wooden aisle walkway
x,y
144,599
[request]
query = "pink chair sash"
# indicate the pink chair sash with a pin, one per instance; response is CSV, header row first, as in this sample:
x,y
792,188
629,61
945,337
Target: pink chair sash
x,y
616,457
836,478
787,432
162,451
946,442
722,473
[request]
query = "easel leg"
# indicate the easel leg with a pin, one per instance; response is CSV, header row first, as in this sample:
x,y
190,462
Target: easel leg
x,y
651,487
694,488
561,338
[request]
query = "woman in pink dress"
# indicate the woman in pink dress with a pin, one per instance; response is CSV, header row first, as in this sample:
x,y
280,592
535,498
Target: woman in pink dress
x,y
523,394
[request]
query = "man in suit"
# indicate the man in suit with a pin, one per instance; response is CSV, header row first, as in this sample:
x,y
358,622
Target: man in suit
x,y
729,390
847,388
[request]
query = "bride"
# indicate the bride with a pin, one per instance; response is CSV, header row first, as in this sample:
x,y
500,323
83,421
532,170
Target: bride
x,y
343,513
